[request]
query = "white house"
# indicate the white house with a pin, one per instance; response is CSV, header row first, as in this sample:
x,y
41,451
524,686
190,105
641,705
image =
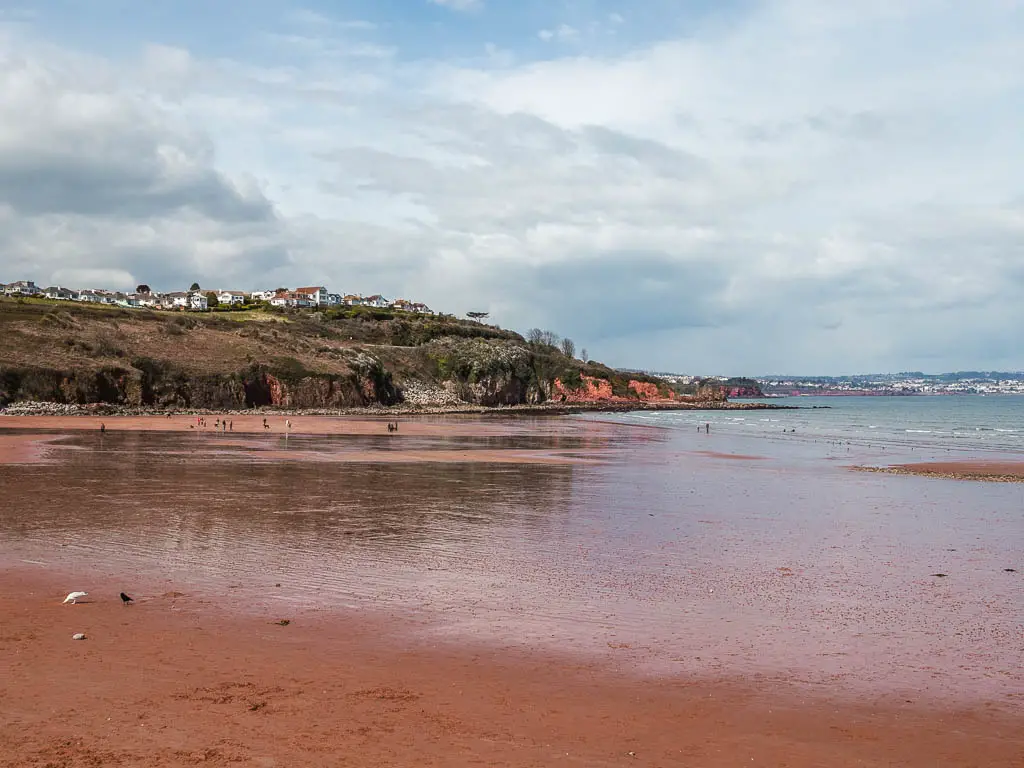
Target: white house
x,y
21,288
333,299
315,293
196,302
127,300
231,297
353,300
402,304
145,299
90,296
423,309
375,301
292,299
262,295
177,299
64,294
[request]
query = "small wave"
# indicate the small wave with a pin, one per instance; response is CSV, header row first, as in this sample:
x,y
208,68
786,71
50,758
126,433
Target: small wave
x,y
918,431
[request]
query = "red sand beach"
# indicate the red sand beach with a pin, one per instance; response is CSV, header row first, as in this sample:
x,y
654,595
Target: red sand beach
x,y
175,681
475,592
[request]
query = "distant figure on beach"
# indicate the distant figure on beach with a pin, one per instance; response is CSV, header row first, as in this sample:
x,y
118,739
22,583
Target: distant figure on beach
x,y
288,423
125,600
231,426
707,428
265,425
103,427
391,427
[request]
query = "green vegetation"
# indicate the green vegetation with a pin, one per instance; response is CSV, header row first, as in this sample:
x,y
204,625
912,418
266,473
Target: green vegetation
x,y
258,355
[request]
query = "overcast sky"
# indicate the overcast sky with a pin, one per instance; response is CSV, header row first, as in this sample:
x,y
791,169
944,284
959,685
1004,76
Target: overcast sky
x,y
701,186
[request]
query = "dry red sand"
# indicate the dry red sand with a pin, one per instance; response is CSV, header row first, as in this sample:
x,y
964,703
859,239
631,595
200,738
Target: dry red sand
x,y
174,681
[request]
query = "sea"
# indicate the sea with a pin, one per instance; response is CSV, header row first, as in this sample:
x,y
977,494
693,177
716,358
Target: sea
x,y
982,424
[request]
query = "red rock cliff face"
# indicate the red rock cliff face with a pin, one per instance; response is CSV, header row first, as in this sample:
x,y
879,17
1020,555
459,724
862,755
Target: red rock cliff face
x,y
596,390
648,392
592,391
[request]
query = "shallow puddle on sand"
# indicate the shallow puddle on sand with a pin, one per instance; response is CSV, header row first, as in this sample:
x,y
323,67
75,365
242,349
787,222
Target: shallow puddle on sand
x,y
654,557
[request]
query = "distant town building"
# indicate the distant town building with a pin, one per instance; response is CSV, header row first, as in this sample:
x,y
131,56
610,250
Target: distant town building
x,y
22,288
317,294
231,297
313,296
62,294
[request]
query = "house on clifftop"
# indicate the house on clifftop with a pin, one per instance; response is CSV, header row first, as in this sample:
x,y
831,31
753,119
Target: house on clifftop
x,y
22,288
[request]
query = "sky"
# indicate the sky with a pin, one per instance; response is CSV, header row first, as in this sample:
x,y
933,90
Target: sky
x,y
699,186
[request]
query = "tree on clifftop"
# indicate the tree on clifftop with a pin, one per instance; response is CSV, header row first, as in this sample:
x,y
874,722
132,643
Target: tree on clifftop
x,y
142,288
477,315
550,338
194,287
584,356
212,300
568,347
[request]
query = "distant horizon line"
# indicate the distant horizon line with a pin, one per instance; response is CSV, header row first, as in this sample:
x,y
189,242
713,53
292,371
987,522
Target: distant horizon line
x,y
965,373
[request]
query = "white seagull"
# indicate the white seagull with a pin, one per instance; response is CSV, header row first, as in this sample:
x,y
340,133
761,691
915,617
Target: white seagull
x,y
73,597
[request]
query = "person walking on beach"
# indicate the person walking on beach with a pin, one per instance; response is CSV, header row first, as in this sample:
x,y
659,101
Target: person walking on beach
x,y
231,426
265,425
707,427
103,427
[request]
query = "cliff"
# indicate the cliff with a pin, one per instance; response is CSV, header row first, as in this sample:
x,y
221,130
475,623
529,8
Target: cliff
x,y
72,354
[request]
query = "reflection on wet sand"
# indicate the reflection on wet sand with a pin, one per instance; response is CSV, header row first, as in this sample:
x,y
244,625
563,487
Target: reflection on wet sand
x,y
655,556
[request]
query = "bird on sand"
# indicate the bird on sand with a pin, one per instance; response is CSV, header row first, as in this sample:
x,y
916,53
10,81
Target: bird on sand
x,y
125,599
73,597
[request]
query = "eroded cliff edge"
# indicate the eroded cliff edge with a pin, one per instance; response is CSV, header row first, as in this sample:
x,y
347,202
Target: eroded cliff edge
x,y
84,355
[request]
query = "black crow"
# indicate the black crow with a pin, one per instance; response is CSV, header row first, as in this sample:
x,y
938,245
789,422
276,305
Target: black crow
x,y
125,599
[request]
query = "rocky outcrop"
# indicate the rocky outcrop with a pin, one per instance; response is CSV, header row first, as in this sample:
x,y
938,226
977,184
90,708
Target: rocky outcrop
x,y
597,390
151,384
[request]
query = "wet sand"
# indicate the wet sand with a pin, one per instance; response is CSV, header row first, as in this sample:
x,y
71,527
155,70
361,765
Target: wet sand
x,y
175,681
309,425
22,449
694,606
991,471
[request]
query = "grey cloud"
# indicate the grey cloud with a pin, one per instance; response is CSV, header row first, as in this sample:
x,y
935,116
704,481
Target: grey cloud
x,y
94,180
34,181
658,158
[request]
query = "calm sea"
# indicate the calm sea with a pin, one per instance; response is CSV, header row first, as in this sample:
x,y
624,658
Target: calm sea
x,y
969,423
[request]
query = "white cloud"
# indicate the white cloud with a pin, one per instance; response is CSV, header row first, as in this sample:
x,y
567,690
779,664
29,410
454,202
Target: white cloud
x,y
563,33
